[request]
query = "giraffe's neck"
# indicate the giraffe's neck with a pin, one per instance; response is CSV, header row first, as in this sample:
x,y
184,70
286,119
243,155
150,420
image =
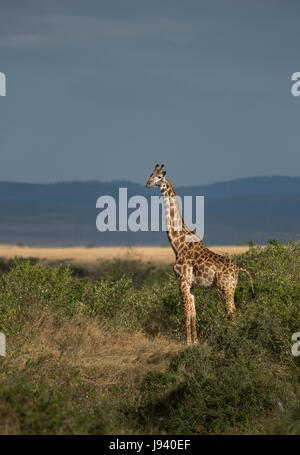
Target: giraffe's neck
x,y
176,228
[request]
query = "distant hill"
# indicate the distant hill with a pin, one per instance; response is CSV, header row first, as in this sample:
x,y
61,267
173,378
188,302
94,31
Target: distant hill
x,y
65,213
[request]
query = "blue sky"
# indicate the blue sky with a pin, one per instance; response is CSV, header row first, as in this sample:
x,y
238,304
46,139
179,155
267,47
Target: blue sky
x,y
105,89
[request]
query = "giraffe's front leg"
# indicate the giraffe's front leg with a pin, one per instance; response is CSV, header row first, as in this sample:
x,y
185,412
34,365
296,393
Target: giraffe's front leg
x,y
185,293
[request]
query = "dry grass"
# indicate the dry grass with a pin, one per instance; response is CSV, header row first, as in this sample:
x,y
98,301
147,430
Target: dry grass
x,y
88,256
105,359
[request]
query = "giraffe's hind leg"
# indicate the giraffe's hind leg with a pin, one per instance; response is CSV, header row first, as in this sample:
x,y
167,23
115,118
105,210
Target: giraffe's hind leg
x,y
226,285
229,302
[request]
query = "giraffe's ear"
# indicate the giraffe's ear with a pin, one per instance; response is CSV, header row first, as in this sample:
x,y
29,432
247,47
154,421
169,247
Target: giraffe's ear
x,y
164,173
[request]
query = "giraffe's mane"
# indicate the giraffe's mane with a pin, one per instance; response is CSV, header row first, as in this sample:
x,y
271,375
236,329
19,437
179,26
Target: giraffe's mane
x,y
171,186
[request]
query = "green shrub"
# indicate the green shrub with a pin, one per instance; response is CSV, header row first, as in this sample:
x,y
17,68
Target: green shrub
x,y
30,405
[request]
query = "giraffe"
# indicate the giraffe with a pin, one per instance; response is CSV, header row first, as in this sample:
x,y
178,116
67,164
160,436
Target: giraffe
x,y
195,264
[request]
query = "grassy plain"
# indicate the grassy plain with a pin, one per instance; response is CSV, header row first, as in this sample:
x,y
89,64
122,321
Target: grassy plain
x,y
92,255
100,349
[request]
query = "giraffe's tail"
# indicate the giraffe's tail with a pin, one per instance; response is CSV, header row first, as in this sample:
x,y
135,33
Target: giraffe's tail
x,y
251,281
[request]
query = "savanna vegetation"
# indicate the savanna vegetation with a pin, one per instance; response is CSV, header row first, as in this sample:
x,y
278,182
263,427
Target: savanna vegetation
x,y
102,351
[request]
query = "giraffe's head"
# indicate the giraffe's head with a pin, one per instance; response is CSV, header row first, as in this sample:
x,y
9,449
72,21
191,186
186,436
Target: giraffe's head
x,y
157,177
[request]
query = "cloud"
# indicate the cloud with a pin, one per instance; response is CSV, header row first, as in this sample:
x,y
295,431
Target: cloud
x,y
56,28
26,39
